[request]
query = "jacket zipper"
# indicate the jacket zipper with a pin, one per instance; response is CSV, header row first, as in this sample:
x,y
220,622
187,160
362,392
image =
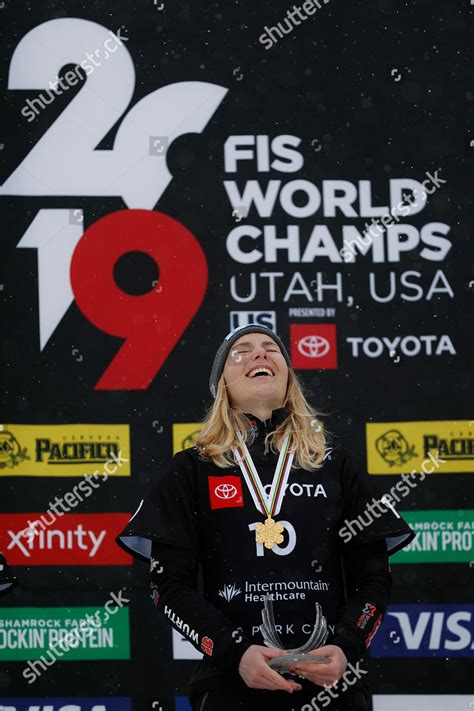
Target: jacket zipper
x,y
267,448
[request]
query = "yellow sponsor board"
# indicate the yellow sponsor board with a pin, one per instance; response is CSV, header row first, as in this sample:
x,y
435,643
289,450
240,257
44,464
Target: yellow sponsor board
x,y
184,435
64,450
402,447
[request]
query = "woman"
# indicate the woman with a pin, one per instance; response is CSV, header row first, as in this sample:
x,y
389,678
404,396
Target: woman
x,y
264,507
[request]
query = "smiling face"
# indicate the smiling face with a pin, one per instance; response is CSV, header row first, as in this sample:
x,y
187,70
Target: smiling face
x,y
256,374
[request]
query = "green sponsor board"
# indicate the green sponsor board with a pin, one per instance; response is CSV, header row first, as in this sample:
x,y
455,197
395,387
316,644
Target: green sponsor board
x,y
442,536
67,633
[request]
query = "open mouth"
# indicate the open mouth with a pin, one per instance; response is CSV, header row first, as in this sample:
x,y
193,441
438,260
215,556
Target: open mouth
x,y
261,372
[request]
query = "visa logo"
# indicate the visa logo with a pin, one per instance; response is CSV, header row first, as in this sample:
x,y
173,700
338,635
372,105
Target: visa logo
x,y
73,703
426,631
182,704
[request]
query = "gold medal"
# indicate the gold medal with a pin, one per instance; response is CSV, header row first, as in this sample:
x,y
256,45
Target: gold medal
x,y
269,533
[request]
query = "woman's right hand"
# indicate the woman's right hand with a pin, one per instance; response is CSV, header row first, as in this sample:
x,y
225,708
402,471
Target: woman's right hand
x,y
256,673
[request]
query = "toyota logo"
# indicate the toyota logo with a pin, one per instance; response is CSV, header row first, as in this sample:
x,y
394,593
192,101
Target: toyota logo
x,y
225,491
313,346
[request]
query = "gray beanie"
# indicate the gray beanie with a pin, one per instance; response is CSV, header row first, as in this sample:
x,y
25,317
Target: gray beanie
x,y
226,345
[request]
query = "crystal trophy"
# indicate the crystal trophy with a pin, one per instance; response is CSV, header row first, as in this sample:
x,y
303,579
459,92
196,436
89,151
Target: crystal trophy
x,y
300,654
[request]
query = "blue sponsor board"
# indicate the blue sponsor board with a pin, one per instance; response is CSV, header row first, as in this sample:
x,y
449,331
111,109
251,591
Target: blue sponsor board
x,y
182,704
425,631
69,703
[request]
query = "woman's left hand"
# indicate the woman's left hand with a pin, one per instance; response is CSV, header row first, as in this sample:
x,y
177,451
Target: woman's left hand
x,y
323,674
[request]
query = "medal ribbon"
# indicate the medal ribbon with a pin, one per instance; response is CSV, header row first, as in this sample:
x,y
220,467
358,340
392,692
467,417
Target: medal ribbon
x,y
270,504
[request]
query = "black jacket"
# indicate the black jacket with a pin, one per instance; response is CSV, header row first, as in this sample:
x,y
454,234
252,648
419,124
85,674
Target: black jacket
x,y
8,581
198,514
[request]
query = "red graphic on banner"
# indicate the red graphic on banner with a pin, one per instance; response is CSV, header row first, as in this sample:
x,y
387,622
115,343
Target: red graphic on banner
x,y
152,323
70,539
313,346
225,492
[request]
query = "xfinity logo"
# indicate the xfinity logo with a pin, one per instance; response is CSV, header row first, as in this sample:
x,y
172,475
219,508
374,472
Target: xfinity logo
x,y
72,539
51,539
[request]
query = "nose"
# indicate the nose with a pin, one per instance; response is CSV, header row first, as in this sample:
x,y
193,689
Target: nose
x,y
259,351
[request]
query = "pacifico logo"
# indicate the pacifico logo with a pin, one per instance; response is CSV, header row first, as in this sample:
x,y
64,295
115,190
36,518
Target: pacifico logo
x,y
75,452
391,445
63,450
11,452
185,435
394,448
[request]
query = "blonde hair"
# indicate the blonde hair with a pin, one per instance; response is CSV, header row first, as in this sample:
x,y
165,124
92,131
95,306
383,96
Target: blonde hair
x,y
218,433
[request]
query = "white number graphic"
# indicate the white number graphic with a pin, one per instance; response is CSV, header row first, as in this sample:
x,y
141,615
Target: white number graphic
x,y
279,550
65,160
55,238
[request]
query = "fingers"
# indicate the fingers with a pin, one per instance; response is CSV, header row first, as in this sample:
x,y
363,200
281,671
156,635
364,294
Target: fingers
x,y
317,679
271,652
275,682
321,674
260,675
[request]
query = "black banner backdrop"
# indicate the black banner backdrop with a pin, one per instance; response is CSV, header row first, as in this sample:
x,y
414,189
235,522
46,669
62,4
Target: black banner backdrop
x,y
193,168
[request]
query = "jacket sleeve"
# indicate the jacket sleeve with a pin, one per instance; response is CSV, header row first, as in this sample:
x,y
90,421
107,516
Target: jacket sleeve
x,y
8,581
173,583
369,515
368,587
164,532
371,530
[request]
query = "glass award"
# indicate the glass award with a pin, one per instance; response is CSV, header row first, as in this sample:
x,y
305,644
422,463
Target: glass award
x,y
271,638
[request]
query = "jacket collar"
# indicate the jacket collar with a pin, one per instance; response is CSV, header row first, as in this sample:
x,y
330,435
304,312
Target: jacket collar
x,y
260,429
278,416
